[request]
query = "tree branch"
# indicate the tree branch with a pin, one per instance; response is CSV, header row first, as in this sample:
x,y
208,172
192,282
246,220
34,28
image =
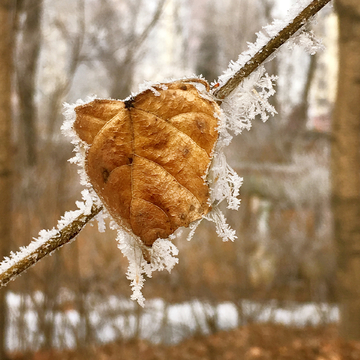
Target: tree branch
x,y
69,232
63,236
267,50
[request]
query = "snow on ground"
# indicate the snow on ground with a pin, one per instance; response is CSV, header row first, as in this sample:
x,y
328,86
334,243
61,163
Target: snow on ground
x,y
159,322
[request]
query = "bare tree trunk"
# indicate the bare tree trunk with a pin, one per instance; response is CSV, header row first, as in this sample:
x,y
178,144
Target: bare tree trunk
x,y
28,55
5,161
346,168
122,79
207,61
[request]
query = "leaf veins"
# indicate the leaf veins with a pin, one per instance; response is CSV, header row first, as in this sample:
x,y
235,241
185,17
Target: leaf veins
x,y
149,155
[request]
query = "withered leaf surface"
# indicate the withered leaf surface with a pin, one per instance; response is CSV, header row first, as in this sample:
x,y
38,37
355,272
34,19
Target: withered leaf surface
x,y
149,156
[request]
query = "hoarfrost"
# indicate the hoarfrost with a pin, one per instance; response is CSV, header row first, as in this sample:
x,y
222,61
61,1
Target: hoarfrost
x,y
163,252
193,226
239,109
223,230
226,183
248,100
80,147
163,257
101,221
308,41
148,85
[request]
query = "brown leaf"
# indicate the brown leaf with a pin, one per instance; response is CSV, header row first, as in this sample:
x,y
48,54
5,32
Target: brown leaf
x,y
149,156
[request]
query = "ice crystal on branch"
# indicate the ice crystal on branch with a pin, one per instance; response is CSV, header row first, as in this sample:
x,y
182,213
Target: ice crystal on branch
x,y
307,40
250,99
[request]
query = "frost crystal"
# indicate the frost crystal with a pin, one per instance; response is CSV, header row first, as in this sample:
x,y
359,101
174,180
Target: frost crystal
x,y
240,108
308,41
222,228
80,147
162,255
248,100
193,226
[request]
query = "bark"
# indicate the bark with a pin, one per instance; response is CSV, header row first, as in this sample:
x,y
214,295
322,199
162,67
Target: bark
x,y
5,158
345,168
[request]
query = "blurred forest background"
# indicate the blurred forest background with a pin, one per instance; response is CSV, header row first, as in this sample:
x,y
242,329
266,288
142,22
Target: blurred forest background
x,y
285,253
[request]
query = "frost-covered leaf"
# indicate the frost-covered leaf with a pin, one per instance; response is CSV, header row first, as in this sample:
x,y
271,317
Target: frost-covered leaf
x,y
149,155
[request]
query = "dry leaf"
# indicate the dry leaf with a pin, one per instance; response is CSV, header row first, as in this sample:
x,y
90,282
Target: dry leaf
x,y
149,156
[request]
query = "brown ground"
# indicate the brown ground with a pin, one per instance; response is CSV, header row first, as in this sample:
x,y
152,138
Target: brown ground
x,y
252,342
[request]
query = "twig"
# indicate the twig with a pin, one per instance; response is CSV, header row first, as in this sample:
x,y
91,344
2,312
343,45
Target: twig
x,y
267,50
69,232
63,236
